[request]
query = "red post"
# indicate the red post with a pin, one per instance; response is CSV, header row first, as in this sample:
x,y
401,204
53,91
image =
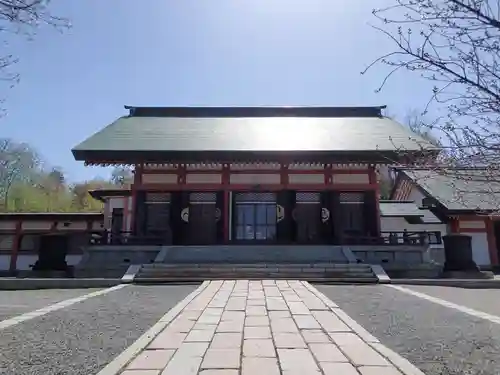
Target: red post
x,y
133,190
16,244
372,178
492,243
225,207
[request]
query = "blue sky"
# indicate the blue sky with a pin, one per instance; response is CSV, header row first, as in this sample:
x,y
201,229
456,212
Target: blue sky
x,y
193,52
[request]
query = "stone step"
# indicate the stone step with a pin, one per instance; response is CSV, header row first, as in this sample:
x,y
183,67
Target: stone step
x,y
259,265
345,280
254,272
250,267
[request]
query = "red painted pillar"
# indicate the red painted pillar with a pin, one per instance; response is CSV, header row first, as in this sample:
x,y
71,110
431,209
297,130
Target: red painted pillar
x,y
492,243
454,225
328,175
133,190
16,244
226,201
284,175
372,179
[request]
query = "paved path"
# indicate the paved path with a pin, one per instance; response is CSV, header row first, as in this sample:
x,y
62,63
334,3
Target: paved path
x,y
259,327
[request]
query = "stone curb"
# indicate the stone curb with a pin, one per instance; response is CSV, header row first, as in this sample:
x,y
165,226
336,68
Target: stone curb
x,y
70,283
129,276
459,283
380,273
119,363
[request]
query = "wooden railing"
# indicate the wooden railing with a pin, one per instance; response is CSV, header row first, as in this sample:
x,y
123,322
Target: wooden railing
x,y
422,238
128,238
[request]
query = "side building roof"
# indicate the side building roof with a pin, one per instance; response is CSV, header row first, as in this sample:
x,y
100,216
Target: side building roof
x,y
390,208
102,194
192,134
459,189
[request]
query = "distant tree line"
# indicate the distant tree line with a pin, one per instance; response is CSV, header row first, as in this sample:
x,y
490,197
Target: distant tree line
x,y
27,184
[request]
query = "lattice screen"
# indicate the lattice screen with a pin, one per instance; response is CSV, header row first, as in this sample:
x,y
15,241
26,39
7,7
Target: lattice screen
x,y
351,197
307,197
208,197
255,197
157,197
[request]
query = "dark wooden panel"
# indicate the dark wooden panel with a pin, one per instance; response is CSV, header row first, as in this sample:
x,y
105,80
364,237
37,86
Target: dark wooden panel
x,y
327,226
219,205
370,214
179,200
140,212
285,229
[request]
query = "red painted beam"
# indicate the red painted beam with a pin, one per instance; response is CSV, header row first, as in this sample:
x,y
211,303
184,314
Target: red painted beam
x,y
372,176
137,182
254,187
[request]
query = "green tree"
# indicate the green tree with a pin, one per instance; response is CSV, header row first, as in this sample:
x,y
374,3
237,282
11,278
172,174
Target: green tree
x,y
18,164
121,176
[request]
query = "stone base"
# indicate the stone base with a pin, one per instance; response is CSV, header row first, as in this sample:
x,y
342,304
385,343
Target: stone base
x,y
476,274
48,274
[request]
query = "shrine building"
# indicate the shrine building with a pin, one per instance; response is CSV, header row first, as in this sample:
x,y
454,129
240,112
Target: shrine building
x,y
251,175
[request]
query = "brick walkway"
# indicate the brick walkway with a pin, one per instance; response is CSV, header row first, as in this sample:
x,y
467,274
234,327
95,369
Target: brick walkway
x,y
264,328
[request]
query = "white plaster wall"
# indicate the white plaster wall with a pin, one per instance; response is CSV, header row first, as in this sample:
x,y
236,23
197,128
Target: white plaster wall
x,y
472,224
157,178
37,225
6,242
111,203
25,261
203,178
73,225
252,178
4,262
115,202
297,178
480,252
7,225
129,213
399,224
356,178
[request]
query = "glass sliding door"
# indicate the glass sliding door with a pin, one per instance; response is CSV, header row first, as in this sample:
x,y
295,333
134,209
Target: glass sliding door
x,y
254,217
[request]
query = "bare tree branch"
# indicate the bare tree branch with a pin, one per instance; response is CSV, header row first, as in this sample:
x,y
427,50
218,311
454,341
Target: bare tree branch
x,y
22,17
454,44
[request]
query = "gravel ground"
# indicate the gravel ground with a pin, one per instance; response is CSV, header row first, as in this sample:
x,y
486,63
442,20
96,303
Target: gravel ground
x,y
437,339
83,338
486,300
17,302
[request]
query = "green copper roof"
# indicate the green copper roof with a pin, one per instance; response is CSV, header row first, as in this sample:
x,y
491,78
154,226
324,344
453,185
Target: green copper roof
x,y
299,131
467,189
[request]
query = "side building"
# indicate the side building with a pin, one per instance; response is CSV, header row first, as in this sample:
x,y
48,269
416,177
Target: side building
x,y
466,199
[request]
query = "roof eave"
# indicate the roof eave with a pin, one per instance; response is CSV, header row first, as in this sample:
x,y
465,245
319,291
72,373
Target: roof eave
x,y
140,156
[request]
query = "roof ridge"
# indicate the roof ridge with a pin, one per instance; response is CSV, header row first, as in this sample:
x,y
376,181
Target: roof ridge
x,y
256,111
